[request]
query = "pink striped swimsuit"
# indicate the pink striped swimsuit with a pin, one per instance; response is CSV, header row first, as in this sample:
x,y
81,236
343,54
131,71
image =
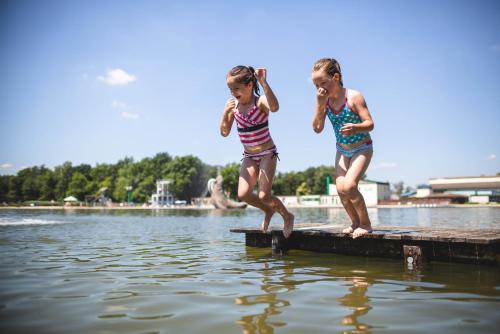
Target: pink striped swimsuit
x,y
253,130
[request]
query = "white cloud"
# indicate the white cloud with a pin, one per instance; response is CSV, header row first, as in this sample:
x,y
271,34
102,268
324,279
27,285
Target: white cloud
x,y
129,115
491,157
381,165
125,109
7,166
116,77
119,105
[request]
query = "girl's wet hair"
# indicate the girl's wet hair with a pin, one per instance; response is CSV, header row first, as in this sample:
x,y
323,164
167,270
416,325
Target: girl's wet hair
x,y
244,75
330,66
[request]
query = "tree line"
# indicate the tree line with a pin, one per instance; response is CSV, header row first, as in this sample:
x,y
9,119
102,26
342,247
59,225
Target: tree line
x,y
189,177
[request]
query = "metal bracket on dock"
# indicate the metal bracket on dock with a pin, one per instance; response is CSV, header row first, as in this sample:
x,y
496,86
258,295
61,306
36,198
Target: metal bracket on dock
x,y
413,256
278,243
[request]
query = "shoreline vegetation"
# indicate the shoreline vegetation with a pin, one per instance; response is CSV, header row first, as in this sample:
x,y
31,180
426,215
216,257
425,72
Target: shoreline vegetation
x,y
129,181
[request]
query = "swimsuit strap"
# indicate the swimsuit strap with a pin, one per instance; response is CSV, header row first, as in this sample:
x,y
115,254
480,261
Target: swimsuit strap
x,y
333,109
255,100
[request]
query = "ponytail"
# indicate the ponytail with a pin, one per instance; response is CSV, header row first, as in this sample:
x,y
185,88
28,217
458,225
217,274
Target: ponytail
x,y
244,75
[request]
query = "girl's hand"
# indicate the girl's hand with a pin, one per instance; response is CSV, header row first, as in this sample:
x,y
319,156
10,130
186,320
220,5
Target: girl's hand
x,y
230,105
261,74
321,96
348,129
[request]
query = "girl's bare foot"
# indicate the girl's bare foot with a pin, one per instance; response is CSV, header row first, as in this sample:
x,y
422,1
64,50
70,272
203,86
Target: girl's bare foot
x,y
350,229
288,227
267,220
361,230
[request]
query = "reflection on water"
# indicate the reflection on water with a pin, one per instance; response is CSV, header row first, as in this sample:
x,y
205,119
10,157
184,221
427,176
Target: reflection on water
x,y
342,293
183,272
357,301
259,323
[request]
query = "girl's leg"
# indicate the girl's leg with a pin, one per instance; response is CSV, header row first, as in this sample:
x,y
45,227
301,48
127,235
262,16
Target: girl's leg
x,y
248,177
341,165
357,167
266,176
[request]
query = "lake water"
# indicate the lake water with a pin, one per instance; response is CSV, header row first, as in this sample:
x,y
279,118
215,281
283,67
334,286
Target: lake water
x,y
182,271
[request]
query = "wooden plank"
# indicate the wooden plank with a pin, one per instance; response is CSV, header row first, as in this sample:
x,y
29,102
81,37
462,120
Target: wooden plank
x,y
456,245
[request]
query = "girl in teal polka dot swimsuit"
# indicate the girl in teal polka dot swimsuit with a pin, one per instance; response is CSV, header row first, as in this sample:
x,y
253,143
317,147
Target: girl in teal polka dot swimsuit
x,y
352,122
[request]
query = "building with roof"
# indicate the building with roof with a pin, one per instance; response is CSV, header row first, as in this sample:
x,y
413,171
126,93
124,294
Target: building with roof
x,y
373,191
478,189
162,197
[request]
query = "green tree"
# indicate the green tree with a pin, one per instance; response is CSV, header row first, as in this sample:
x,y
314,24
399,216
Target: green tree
x,y
125,177
77,186
316,177
159,165
15,190
303,189
4,187
30,188
187,173
101,176
47,186
84,169
106,183
63,176
286,184
143,190
32,181
398,187
231,174
120,191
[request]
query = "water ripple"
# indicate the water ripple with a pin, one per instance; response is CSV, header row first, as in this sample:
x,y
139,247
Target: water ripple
x,y
146,273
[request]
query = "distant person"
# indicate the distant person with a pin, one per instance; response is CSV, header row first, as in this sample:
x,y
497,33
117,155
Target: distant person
x,y
251,112
352,122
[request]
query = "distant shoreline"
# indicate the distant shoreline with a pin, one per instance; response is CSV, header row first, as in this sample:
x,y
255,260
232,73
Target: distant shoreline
x,y
192,207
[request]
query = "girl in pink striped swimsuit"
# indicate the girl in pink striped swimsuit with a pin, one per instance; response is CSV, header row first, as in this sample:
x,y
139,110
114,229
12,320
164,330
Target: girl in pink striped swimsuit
x,y
251,112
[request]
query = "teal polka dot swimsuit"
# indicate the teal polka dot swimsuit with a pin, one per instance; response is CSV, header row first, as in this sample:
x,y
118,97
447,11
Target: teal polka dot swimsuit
x,y
339,118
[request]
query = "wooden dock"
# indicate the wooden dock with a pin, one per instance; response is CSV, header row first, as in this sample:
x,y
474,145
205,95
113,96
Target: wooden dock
x,y
413,244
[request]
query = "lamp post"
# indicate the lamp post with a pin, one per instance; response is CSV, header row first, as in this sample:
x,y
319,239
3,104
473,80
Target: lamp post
x,y
328,184
129,194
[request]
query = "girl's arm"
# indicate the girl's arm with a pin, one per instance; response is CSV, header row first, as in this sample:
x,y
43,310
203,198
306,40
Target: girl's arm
x,y
320,111
360,108
227,120
269,100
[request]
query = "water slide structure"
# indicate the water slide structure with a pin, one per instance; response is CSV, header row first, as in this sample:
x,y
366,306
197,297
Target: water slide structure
x,y
217,197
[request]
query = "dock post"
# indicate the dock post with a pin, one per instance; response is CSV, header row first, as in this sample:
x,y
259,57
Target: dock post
x,y
413,256
278,244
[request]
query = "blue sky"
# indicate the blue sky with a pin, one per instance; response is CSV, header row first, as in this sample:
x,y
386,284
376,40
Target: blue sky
x,y
95,81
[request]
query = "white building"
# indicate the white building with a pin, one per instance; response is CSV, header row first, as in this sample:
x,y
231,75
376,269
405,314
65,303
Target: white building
x,y
162,196
289,200
311,200
330,200
372,191
479,189
423,191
